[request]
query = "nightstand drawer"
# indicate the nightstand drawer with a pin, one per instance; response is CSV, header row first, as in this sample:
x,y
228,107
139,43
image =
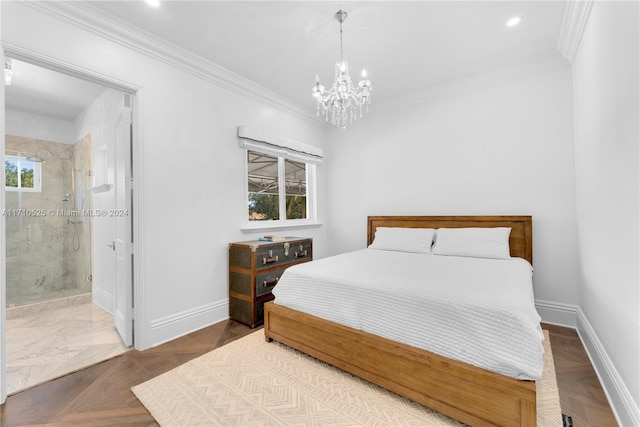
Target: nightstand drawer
x,y
260,308
265,282
273,255
282,253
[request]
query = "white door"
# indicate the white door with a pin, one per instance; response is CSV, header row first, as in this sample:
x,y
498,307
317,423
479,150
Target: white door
x,y
122,214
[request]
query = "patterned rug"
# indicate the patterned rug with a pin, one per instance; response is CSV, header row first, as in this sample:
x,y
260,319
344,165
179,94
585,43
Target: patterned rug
x,y
253,383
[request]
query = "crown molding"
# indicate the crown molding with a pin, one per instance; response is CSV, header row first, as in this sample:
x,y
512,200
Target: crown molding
x,y
19,53
90,18
574,22
529,67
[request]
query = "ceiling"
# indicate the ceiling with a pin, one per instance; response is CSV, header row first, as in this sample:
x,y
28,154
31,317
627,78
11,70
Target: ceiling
x,y
48,93
406,47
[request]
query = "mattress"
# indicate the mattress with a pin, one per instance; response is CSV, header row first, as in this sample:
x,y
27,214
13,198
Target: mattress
x,y
475,310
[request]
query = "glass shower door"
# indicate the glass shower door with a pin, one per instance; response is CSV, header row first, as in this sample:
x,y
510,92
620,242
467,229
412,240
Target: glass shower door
x,y
48,240
22,175
13,229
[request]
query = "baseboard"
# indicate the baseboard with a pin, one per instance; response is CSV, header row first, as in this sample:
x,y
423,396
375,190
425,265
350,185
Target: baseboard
x,y
103,299
557,313
624,407
170,327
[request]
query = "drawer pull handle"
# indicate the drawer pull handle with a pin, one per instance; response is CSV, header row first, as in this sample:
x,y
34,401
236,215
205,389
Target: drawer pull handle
x,y
301,254
268,283
270,260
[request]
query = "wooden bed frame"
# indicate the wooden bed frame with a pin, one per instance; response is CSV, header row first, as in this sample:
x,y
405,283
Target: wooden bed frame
x,y
462,391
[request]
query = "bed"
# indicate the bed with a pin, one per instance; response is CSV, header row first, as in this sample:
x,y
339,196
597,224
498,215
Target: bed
x,y
463,391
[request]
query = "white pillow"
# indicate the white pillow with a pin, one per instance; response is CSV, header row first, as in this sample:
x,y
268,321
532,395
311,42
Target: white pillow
x,y
417,240
473,242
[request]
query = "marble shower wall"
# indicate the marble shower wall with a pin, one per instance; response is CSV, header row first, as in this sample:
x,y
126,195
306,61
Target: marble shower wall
x,y
49,256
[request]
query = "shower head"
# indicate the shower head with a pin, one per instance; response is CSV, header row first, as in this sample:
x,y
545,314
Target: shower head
x,y
35,158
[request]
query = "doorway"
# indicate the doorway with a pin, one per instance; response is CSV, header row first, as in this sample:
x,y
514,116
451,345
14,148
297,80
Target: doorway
x,y
61,161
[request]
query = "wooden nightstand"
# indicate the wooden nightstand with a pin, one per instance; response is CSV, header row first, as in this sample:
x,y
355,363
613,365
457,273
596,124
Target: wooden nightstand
x,y
255,268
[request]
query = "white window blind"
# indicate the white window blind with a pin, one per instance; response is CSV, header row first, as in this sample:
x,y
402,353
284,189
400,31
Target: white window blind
x,y
256,140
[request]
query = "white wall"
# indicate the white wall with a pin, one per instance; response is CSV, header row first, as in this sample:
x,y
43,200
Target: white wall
x,y
29,125
99,120
605,73
506,149
194,198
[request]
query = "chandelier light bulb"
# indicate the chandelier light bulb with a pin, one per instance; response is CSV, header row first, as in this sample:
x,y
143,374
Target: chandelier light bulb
x,y
344,101
318,89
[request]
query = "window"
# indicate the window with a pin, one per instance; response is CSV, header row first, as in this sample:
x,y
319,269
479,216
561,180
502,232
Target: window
x,y
277,187
20,174
281,176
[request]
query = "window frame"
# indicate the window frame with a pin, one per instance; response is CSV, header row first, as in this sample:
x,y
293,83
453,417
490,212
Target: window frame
x,y
311,197
37,174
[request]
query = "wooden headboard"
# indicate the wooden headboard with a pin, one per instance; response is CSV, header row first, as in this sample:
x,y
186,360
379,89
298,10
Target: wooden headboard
x,y
520,240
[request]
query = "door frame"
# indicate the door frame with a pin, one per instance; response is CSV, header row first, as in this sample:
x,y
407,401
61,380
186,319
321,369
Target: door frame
x,y
136,93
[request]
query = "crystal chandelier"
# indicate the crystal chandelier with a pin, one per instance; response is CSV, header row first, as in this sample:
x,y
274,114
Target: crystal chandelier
x,y
344,101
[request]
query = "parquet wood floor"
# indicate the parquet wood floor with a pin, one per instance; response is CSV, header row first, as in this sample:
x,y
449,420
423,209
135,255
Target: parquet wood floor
x,y
100,395
581,394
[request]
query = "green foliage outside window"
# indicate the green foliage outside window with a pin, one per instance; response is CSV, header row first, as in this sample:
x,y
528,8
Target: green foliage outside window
x,y
27,174
26,178
296,207
263,207
10,174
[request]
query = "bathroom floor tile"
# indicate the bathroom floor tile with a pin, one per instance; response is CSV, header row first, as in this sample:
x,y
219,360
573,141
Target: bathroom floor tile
x,y
53,343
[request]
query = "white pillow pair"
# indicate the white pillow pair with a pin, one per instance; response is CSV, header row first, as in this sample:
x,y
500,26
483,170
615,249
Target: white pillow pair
x,y
470,242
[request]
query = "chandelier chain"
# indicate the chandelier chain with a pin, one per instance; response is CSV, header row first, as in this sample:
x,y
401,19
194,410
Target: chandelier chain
x,y
341,48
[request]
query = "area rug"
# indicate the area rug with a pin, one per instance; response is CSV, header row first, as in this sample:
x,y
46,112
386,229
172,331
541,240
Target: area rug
x,y
253,383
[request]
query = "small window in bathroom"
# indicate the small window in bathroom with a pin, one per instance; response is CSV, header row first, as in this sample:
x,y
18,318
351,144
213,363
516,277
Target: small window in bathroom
x,y
22,174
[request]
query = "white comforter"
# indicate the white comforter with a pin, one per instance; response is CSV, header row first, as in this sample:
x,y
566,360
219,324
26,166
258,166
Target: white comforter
x,y
479,311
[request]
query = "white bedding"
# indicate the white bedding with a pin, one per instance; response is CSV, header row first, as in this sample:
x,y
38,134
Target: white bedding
x,y
479,311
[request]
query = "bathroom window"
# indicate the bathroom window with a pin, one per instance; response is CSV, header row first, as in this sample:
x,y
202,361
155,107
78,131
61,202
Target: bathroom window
x,y
277,187
21,174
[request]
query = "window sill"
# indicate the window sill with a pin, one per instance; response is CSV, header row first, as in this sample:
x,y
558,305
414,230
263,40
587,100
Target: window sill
x,y
264,226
